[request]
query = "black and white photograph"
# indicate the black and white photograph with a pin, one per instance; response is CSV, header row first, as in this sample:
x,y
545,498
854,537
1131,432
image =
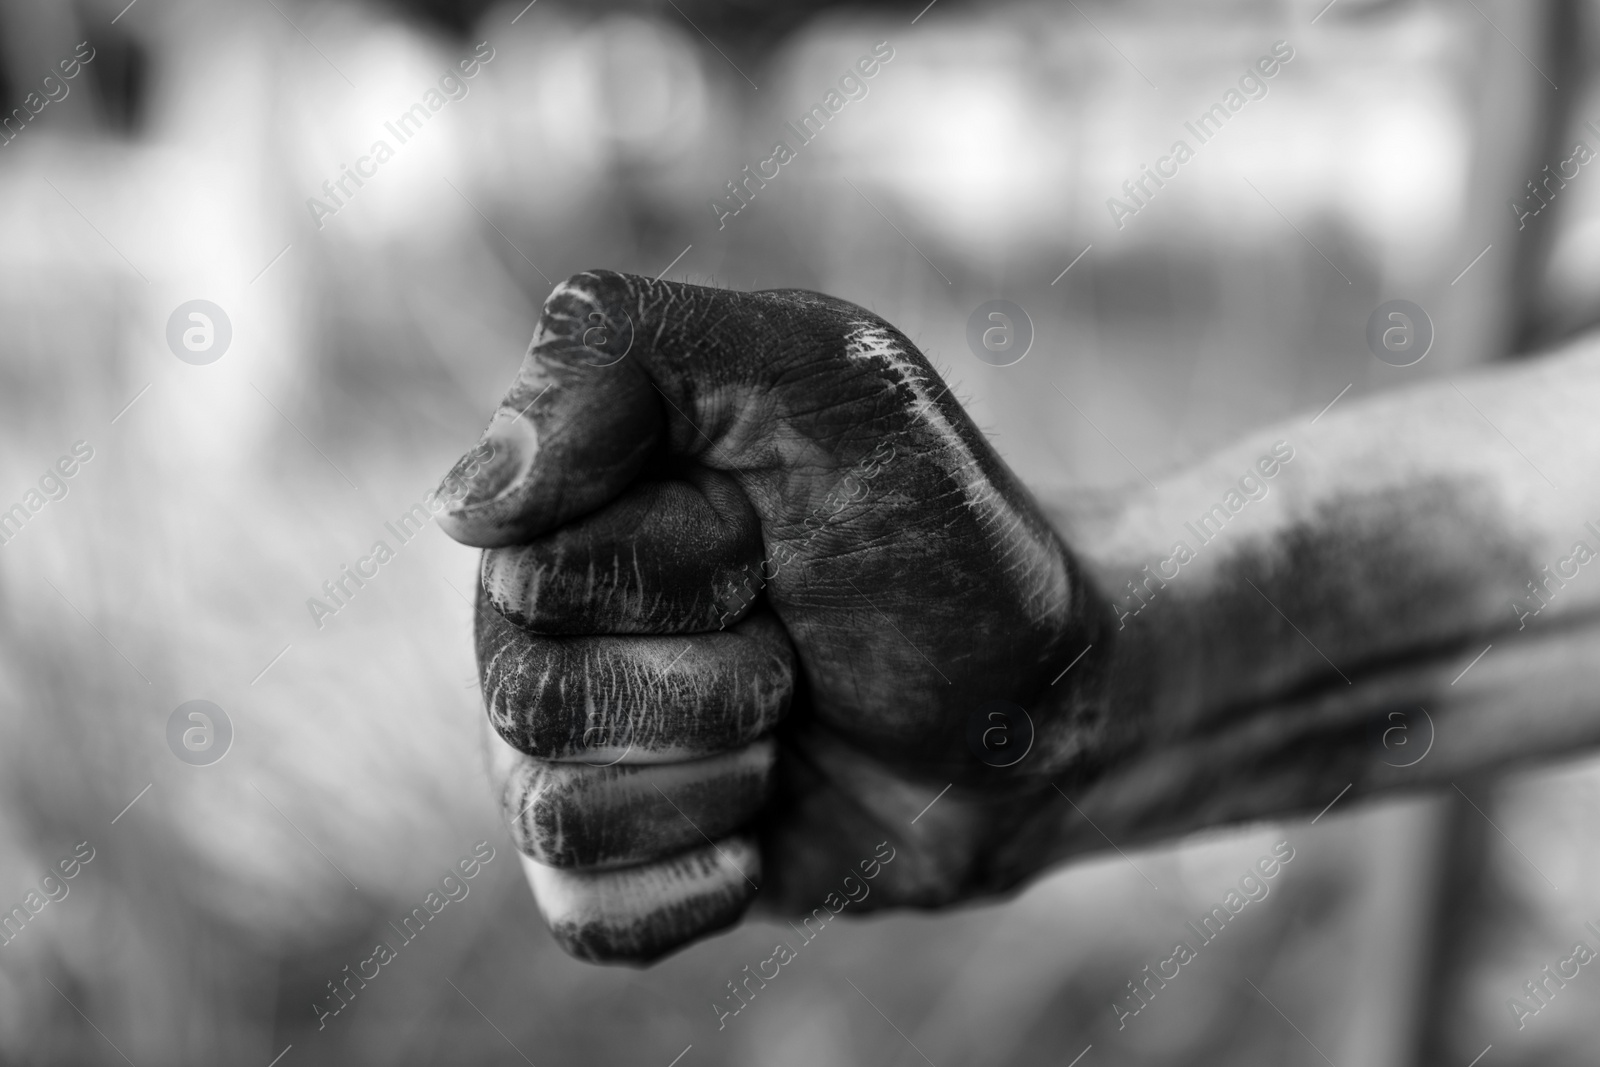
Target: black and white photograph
x,y
799,533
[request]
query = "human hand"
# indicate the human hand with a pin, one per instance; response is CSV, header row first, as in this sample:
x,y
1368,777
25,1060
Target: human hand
x,y
667,454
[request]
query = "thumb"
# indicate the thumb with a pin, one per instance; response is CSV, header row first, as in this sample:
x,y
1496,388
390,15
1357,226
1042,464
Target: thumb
x,y
622,368
576,426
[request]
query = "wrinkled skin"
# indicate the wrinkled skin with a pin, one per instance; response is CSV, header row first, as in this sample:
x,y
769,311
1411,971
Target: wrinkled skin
x,y
751,573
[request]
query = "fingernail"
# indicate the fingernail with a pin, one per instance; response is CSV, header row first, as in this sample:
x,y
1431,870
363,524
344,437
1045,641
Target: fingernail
x,y
501,460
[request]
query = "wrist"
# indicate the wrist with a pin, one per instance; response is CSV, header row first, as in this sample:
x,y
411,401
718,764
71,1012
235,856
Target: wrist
x,y
1108,674
1085,716
1117,677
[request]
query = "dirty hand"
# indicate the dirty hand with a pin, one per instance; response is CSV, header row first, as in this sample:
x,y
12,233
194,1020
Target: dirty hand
x,y
752,580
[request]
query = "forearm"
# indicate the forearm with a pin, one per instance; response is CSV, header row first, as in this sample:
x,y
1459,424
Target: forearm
x,y
1252,669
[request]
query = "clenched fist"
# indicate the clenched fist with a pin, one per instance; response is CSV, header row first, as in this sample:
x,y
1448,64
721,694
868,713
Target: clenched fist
x,y
752,583
761,610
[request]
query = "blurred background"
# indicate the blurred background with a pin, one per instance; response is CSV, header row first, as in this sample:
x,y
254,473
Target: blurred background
x,y
369,345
